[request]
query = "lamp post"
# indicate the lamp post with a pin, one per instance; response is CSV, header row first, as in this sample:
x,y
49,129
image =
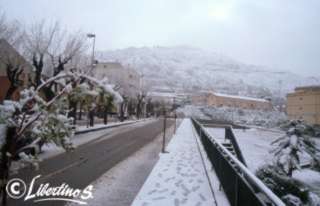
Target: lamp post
x,y
91,111
91,35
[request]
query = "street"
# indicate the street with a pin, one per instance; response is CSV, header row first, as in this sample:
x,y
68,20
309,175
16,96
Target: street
x,y
89,161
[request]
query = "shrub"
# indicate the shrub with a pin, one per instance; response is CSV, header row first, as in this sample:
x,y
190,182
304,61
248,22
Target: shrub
x,y
282,185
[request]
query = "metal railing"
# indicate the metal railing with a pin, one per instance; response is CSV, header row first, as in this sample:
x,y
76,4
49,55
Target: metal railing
x,y
230,135
240,185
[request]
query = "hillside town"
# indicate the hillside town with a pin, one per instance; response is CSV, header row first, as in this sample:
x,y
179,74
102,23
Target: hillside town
x,y
176,125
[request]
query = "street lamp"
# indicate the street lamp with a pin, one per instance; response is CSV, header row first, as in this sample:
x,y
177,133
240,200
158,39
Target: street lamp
x,y
90,35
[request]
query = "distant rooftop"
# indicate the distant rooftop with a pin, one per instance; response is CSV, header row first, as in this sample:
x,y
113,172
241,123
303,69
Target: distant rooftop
x,y
240,97
308,88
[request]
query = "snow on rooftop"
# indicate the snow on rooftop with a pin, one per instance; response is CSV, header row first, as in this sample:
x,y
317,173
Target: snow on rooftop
x,y
239,97
179,176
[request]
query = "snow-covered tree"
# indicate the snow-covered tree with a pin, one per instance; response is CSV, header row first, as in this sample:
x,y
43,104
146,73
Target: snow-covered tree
x,y
50,48
290,147
105,103
39,119
140,104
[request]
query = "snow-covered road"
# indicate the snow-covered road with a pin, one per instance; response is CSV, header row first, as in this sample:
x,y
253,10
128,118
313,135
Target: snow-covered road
x,y
179,177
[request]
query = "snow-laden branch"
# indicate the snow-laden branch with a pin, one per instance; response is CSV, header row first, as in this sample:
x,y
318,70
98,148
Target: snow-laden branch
x,y
74,77
105,86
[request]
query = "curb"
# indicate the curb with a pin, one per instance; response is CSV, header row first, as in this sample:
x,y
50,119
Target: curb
x,y
107,127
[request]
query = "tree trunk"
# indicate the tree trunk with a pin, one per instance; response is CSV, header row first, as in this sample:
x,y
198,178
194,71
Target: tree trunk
x,y
105,115
122,112
8,147
73,111
91,118
138,110
80,112
10,91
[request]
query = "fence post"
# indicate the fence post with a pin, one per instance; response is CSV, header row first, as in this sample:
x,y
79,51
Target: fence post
x,y
219,171
236,191
175,122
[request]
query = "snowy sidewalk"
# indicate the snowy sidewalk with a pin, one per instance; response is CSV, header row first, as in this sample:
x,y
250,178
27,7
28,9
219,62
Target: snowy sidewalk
x,y
179,177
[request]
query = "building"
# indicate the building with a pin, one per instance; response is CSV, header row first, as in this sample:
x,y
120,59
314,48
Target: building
x,y
9,55
304,103
224,100
126,80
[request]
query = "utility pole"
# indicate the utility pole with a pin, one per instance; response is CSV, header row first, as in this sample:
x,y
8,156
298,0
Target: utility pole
x,y
164,130
91,111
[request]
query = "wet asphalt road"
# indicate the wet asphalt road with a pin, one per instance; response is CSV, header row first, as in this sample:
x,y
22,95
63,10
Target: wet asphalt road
x,y
89,161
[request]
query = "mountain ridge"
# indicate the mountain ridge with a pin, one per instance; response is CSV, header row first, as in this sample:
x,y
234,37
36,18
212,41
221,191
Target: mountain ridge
x,y
192,69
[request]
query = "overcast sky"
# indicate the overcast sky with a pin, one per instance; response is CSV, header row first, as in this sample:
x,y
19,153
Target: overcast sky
x,y
283,34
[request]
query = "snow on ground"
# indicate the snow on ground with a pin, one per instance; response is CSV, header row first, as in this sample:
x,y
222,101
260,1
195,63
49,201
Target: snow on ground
x,y
254,144
50,149
236,115
310,178
179,177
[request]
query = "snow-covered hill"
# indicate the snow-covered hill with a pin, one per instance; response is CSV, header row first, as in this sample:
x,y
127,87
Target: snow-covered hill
x,y
193,69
